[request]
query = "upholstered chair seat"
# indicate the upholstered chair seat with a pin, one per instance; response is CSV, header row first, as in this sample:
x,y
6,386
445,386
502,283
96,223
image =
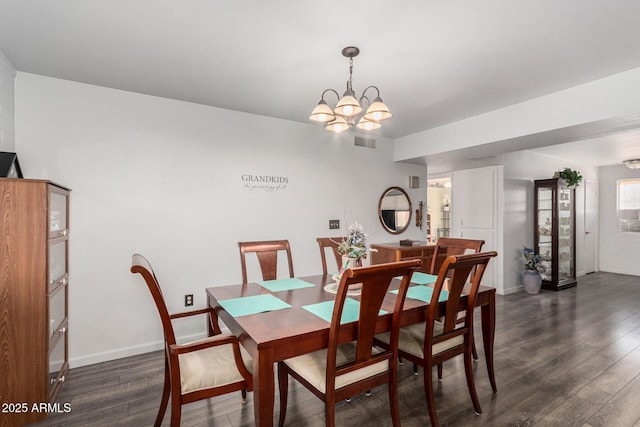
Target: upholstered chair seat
x,y
211,367
411,339
313,366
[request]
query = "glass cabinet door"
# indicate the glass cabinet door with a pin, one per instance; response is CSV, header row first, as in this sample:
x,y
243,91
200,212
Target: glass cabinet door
x,y
545,229
566,250
554,232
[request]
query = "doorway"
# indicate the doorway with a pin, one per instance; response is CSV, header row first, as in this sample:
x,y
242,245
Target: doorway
x,y
590,226
438,208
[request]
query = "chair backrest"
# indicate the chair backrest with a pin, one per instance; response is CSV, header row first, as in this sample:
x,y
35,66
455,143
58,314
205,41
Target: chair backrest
x,y
139,264
452,277
267,253
446,246
329,242
375,281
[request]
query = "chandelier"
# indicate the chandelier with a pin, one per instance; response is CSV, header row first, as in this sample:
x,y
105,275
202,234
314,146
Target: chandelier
x,y
348,109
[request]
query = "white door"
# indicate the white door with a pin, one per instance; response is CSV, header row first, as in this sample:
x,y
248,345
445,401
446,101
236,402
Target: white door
x,y
590,226
476,213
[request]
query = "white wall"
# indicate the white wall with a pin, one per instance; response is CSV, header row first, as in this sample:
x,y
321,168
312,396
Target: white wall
x,y
164,178
618,252
520,170
7,122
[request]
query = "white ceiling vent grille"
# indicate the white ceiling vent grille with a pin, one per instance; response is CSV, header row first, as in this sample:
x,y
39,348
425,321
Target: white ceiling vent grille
x,y
369,143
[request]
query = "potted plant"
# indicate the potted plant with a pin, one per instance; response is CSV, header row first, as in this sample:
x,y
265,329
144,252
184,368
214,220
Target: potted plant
x,y
533,269
571,177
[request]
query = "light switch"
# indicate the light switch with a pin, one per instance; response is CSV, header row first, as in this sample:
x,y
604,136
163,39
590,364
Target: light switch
x,y
334,224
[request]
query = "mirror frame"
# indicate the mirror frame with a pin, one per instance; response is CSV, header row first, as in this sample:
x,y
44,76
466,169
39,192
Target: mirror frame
x,y
384,193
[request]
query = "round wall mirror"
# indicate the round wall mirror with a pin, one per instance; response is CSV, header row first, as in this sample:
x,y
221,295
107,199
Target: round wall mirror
x,y
394,210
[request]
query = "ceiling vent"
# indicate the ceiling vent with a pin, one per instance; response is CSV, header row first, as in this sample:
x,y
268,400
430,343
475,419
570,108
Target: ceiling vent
x,y
369,143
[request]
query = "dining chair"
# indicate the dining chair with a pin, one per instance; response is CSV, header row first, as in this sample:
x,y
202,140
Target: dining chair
x,y
446,246
198,370
345,369
329,242
267,253
431,342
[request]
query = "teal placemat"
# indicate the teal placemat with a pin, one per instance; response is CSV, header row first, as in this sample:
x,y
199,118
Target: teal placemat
x,y
324,310
285,284
251,305
423,293
421,278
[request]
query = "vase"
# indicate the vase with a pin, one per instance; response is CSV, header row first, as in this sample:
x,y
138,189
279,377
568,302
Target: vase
x,y
348,262
532,281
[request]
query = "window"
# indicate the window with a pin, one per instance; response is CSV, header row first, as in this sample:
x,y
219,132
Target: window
x,y
629,205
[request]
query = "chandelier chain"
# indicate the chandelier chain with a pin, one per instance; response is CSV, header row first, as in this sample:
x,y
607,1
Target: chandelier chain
x,y
350,85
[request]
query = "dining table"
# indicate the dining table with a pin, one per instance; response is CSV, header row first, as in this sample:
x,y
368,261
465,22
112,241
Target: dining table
x,y
280,319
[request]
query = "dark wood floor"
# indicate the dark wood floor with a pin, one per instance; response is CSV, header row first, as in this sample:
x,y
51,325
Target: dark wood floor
x,y
569,358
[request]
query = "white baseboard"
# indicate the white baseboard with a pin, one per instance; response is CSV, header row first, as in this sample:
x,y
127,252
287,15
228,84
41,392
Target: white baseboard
x,y
106,356
512,290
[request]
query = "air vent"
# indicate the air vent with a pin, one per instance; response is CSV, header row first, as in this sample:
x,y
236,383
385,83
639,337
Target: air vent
x,y
365,142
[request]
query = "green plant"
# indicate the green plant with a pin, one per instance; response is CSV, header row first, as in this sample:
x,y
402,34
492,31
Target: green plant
x,y
571,177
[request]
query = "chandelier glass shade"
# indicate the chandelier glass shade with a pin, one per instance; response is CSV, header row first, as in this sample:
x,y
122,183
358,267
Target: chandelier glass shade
x,y
632,163
347,112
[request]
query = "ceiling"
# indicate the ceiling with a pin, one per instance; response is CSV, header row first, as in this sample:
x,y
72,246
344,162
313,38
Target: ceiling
x,y
435,62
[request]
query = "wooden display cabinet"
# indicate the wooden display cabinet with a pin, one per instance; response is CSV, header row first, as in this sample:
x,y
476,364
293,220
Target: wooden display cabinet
x,y
34,278
555,232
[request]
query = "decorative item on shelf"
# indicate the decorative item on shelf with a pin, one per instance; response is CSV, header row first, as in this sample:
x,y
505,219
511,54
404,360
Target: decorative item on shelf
x,y
346,112
353,248
419,215
572,178
544,231
9,165
533,269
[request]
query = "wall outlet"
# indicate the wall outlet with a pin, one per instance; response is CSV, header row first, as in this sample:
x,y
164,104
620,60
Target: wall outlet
x,y
188,300
334,224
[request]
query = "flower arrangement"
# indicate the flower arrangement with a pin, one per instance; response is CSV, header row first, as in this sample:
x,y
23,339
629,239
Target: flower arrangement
x,y
355,244
533,261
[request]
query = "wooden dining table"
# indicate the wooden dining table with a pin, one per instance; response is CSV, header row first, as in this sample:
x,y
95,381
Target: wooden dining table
x,y
277,335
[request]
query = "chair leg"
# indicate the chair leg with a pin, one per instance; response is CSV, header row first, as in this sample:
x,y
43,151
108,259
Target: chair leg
x,y
440,372
428,391
468,370
474,352
283,386
415,368
330,413
393,400
244,396
176,411
165,395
